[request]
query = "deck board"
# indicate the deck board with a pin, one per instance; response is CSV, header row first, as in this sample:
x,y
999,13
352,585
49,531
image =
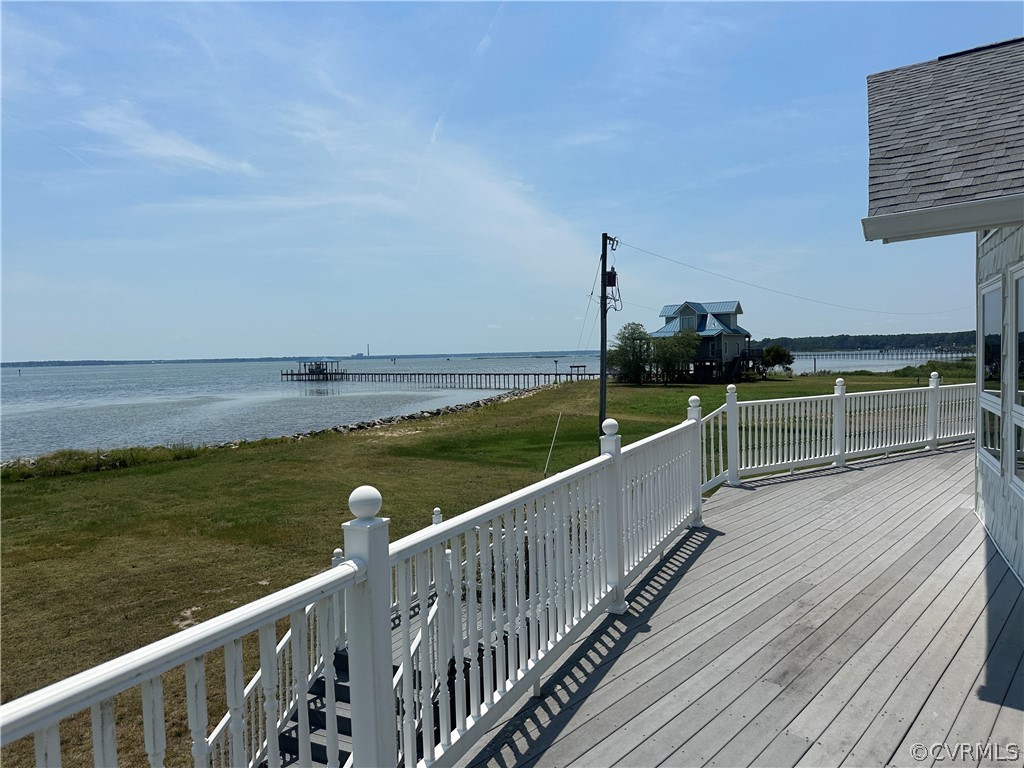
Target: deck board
x,y
828,616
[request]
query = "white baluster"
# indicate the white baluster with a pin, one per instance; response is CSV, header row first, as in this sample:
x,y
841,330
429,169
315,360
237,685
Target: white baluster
x,y
443,582
268,681
234,682
472,586
195,695
519,526
300,682
426,682
47,744
511,565
104,738
153,727
458,634
487,606
402,582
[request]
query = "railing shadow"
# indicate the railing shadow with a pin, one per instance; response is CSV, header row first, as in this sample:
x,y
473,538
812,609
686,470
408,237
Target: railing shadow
x,y
538,723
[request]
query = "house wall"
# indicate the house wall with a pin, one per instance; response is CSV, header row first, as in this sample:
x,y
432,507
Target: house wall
x,y
1000,491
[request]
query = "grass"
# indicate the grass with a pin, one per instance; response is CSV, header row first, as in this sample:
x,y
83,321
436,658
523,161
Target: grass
x,y
99,563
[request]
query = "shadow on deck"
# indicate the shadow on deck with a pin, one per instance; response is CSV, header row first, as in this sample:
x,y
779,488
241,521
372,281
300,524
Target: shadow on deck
x,y
833,617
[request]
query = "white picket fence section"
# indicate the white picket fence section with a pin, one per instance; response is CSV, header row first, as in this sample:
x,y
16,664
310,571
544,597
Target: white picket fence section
x,y
480,606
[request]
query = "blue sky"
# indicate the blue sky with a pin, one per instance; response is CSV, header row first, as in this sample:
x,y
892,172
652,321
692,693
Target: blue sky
x,y
214,179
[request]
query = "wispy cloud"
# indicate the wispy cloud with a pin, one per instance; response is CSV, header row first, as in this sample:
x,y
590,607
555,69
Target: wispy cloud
x,y
122,123
31,60
670,43
487,39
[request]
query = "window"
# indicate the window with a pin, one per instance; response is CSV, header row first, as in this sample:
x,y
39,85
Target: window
x,y
991,434
991,443
1019,445
1019,330
992,340
687,323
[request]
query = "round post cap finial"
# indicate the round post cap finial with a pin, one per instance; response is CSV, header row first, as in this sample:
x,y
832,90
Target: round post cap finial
x,y
935,374
731,389
840,382
694,401
610,426
365,502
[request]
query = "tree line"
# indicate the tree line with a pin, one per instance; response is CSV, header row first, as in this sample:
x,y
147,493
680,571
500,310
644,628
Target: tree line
x,y
846,342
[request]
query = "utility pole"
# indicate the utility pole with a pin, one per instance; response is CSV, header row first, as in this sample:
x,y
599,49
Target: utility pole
x,y
604,332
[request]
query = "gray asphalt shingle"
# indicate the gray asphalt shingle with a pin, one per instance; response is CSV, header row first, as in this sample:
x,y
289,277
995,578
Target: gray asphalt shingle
x,y
947,131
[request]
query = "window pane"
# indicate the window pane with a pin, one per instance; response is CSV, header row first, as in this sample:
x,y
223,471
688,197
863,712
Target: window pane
x,y
1020,450
992,335
1020,340
991,436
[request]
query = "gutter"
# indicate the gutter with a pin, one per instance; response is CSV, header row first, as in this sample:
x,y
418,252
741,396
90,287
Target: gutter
x,y
972,216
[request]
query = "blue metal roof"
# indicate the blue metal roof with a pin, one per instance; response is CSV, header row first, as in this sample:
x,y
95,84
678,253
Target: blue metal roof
x,y
671,328
723,308
710,308
708,324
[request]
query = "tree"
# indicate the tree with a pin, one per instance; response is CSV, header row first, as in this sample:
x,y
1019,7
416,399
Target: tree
x,y
776,356
631,354
673,354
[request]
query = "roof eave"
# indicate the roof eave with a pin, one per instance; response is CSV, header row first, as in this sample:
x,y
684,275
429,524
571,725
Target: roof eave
x,y
972,216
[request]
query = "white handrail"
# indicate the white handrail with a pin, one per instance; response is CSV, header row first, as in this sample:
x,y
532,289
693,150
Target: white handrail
x,y
40,710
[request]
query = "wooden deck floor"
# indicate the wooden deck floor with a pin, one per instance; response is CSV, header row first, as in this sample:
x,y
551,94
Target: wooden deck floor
x,y
832,618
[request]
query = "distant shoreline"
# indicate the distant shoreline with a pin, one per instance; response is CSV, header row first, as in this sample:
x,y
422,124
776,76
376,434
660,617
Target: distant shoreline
x,y
294,358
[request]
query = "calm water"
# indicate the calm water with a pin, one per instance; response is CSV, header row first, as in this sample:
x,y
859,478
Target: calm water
x,y
109,406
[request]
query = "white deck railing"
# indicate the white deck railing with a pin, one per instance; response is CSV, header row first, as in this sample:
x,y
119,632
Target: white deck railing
x,y
476,609
756,437
41,713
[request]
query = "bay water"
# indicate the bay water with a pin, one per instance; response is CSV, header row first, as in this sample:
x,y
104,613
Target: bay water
x,y
89,407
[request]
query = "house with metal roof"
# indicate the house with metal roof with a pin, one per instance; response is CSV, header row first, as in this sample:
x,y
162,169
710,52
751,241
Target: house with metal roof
x,y
724,349
947,156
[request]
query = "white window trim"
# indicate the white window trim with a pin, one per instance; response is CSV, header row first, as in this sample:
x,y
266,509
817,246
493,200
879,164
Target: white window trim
x,y
993,402
1016,410
988,235
986,400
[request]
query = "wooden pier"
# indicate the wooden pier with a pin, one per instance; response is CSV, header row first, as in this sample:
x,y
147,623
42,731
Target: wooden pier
x,y
332,371
886,354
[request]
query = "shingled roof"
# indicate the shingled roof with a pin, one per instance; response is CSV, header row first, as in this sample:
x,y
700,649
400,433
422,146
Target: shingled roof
x,y
947,144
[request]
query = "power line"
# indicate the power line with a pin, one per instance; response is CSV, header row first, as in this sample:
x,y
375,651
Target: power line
x,y
791,295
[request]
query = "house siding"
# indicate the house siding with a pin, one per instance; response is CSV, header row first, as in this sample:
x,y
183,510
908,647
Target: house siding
x,y
1000,498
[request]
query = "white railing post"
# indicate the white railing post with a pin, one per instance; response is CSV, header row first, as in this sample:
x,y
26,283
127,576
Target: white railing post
x,y
697,459
369,634
732,426
611,509
932,433
839,423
